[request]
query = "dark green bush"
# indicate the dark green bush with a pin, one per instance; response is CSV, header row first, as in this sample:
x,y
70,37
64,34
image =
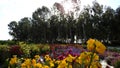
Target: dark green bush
x,y
7,42
4,53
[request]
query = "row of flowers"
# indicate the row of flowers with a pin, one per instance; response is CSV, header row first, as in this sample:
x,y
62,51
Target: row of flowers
x,y
21,50
85,59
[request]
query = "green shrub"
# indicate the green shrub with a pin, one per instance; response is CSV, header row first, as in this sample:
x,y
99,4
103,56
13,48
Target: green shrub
x,y
25,49
4,53
45,49
7,42
35,50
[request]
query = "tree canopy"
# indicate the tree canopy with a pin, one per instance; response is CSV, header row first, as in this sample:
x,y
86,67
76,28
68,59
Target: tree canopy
x,y
47,27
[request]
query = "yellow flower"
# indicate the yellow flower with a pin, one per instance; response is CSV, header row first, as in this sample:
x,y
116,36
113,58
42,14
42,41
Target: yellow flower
x,y
37,56
96,65
33,62
13,60
95,45
90,44
63,64
85,57
47,58
70,58
100,48
46,66
23,65
51,64
27,62
38,65
91,41
95,57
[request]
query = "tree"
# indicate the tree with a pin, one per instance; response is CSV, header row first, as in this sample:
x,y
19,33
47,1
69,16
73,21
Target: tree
x,y
13,29
117,16
71,27
85,24
97,11
20,30
47,26
51,29
24,29
115,29
106,24
43,13
39,24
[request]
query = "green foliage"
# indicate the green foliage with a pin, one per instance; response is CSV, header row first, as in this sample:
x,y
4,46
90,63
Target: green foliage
x,y
22,50
114,49
4,53
25,48
7,42
35,50
45,49
117,64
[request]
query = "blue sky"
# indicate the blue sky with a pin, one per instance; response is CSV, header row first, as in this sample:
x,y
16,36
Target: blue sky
x,y
14,10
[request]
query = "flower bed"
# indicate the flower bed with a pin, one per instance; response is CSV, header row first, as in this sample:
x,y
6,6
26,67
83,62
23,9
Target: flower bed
x,y
61,51
112,58
64,59
58,55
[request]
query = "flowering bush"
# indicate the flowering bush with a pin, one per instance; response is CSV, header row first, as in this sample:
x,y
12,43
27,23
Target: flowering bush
x,y
62,51
15,50
86,59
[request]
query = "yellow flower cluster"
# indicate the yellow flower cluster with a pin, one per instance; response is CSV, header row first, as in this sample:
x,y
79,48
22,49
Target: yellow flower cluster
x,y
33,63
70,58
49,60
26,63
13,60
85,57
65,63
95,45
